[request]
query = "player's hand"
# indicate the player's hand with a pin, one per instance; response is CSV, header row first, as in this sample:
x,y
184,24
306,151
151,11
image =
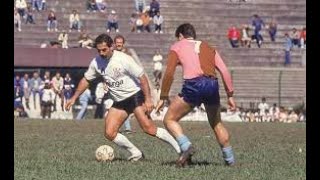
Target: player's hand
x,y
148,105
232,104
69,104
159,105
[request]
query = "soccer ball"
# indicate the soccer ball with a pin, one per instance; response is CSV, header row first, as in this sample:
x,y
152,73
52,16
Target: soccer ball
x,y
104,153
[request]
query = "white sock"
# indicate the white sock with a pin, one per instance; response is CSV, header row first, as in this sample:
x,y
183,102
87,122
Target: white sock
x,y
124,142
165,136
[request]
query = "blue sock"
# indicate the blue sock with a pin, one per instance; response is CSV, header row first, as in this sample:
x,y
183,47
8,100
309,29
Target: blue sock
x,y
227,154
183,142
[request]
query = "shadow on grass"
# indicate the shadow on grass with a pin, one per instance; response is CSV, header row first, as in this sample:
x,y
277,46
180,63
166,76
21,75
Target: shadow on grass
x,y
194,163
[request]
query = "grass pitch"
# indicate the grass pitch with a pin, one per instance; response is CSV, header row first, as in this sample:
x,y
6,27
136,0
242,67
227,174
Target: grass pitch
x,y
64,150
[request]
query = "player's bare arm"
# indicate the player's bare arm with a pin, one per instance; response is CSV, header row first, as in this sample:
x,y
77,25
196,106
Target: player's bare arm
x,y
83,85
146,91
227,81
167,80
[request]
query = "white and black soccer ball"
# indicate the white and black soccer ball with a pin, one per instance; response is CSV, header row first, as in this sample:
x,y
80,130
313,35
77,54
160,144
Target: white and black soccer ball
x,y
104,153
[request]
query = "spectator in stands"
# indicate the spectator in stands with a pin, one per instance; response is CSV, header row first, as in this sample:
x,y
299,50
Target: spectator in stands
x,y
293,116
36,4
21,6
272,29
55,44
295,37
84,99
245,37
17,101
140,5
57,86
157,70
17,20
263,106
119,44
154,8
274,111
63,39
303,37
302,115
101,5
52,22
158,20
112,21
35,86
145,21
234,36
91,6
139,23
132,22
127,126
283,114
43,5
25,84
68,87
30,16
288,46
47,100
74,21
16,81
257,24
47,76
85,41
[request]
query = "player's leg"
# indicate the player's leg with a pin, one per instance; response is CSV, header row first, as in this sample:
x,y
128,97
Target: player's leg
x,y
221,133
113,122
43,110
149,127
177,109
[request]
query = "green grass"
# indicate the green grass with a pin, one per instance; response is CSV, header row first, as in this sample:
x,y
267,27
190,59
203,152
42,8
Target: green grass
x,y
54,149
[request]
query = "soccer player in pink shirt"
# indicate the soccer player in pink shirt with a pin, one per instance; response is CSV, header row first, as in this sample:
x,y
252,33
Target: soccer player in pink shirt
x,y
199,62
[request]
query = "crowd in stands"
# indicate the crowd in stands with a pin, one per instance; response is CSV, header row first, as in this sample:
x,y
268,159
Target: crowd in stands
x,y
260,113
145,18
265,113
141,20
45,88
50,89
47,95
242,36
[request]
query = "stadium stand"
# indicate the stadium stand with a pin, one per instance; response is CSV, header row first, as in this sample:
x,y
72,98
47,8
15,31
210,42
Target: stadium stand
x,y
256,71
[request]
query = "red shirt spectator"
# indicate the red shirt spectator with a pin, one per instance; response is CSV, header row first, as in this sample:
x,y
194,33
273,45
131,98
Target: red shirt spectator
x,y
233,33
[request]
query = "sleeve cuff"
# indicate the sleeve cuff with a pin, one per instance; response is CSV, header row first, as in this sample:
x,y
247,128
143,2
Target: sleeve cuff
x,y
230,94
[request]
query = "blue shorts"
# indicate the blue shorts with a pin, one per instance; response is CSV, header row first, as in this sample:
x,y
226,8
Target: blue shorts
x,y
201,90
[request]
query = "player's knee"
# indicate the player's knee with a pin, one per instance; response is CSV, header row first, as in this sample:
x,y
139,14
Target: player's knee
x,y
110,135
167,121
149,129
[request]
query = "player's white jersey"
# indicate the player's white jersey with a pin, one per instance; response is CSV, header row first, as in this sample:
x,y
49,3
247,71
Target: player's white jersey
x,y
120,72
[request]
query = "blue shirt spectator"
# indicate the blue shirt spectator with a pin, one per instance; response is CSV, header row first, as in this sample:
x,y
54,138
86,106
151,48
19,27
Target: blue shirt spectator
x,y
84,101
154,8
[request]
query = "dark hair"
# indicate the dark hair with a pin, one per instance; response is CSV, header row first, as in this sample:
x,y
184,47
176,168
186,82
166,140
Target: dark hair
x,y
187,30
118,36
103,38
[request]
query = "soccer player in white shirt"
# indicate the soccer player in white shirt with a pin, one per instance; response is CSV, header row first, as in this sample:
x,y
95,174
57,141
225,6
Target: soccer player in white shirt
x,y
129,89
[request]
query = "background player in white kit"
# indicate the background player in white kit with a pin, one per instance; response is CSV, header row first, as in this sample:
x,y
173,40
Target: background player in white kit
x,y
130,91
